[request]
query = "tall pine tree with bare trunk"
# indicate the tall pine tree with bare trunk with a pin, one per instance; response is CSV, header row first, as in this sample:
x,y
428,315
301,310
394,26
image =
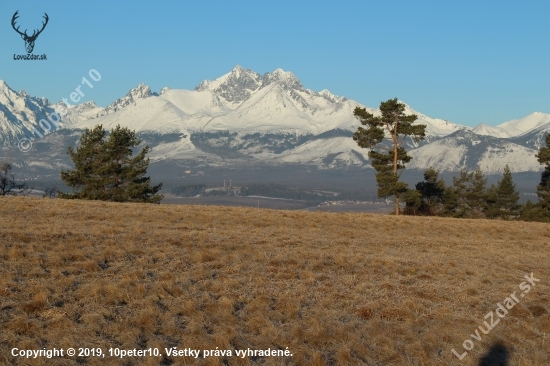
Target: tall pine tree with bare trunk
x,y
385,135
543,189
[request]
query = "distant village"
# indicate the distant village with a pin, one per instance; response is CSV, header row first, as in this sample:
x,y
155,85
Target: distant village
x,y
354,202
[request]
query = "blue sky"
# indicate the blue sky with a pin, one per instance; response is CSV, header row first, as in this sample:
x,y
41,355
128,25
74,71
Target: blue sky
x,y
469,62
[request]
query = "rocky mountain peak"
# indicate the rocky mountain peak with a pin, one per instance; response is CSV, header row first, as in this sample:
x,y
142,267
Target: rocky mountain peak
x,y
330,97
235,86
284,78
6,91
139,92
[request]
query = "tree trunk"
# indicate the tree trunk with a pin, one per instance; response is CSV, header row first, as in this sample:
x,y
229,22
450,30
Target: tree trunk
x,y
394,137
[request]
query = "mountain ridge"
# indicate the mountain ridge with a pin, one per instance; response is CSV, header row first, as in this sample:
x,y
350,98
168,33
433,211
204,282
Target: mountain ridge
x,y
274,119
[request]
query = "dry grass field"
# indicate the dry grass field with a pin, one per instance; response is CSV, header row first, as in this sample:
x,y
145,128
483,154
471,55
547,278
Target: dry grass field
x,y
335,288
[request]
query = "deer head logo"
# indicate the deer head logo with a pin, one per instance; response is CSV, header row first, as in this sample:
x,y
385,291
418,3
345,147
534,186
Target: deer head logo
x,y
29,40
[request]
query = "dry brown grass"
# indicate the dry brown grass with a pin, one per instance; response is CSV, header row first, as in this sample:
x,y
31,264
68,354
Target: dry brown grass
x,y
336,288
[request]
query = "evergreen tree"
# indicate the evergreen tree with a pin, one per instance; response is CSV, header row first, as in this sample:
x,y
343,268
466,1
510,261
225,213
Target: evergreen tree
x,y
493,208
507,196
470,195
543,189
530,212
413,202
459,195
431,191
477,195
105,168
89,160
450,201
384,136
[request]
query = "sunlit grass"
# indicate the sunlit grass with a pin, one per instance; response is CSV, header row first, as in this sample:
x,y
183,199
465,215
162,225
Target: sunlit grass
x,y
336,288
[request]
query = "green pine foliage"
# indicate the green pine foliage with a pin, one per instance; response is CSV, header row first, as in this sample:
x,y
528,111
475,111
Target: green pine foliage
x,y
413,202
431,191
105,168
428,197
461,189
507,196
384,135
530,212
477,195
469,195
543,189
493,208
450,201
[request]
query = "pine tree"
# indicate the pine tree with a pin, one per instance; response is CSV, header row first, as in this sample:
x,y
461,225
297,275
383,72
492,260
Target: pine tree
x,y
493,208
543,189
413,202
477,195
507,196
529,211
459,195
471,195
450,201
89,160
105,168
431,191
389,158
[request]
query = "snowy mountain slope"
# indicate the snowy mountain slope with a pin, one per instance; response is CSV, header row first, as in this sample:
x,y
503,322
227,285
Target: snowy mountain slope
x,y
196,103
486,130
467,150
146,115
511,129
246,102
528,123
435,127
326,153
533,139
20,114
528,131
279,104
77,113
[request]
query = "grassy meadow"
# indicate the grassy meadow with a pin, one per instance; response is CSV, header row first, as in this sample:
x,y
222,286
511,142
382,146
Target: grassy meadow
x,y
335,288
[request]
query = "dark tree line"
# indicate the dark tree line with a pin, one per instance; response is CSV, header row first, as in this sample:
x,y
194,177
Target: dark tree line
x,y
189,190
469,197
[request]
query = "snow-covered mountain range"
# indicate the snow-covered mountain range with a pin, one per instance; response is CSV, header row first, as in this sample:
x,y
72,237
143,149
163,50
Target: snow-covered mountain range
x,y
20,113
243,117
